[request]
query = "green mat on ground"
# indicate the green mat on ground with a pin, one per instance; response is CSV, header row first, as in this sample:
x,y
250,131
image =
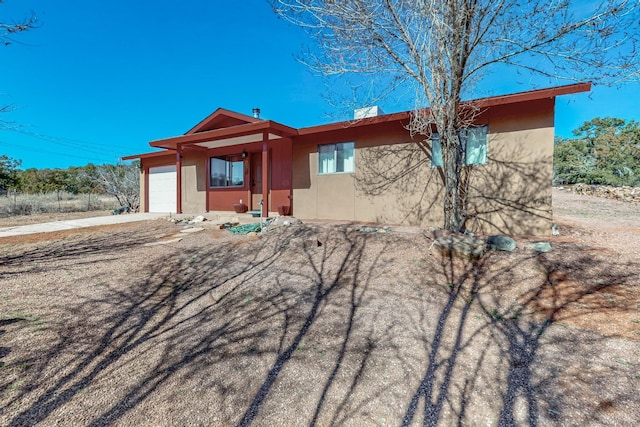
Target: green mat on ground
x,y
246,228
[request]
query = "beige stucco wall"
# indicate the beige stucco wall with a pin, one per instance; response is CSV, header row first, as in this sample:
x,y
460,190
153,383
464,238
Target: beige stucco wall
x,y
327,196
194,186
510,194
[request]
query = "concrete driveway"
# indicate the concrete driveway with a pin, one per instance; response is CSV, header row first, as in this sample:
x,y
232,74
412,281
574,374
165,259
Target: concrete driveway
x,y
77,223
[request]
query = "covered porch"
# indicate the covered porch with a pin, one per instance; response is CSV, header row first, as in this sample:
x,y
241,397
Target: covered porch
x,y
244,163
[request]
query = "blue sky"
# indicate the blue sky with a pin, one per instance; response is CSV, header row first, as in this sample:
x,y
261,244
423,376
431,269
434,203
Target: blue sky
x,y
99,80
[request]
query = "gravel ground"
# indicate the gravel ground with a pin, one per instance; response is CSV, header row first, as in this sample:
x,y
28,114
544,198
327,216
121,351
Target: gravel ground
x,y
139,324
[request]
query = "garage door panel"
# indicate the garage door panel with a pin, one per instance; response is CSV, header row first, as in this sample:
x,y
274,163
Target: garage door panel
x,y
162,189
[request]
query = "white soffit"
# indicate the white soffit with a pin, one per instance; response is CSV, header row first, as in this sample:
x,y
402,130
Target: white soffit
x,y
238,140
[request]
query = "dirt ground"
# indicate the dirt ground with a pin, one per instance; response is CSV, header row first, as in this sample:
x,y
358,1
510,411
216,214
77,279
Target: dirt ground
x,y
320,324
11,221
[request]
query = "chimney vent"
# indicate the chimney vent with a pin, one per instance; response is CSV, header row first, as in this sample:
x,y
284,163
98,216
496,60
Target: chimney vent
x,y
256,113
363,113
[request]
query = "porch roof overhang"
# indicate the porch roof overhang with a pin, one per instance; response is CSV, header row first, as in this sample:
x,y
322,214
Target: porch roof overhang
x,y
224,137
149,155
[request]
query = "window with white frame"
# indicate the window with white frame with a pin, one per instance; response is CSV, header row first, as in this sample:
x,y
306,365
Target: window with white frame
x,y
474,144
336,158
227,171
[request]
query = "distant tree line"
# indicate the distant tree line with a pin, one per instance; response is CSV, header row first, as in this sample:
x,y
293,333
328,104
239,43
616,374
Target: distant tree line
x,y
604,151
74,180
121,181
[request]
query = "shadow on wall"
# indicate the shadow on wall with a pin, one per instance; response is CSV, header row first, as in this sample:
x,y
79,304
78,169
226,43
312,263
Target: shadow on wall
x,y
511,194
398,183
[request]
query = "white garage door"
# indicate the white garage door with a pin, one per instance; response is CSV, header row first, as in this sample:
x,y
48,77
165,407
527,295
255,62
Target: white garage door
x,y
162,189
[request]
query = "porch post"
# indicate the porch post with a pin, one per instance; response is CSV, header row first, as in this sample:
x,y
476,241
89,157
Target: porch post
x,y
178,179
208,181
265,174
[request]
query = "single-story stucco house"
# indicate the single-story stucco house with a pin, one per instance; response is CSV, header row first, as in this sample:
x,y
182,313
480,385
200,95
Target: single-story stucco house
x,y
369,169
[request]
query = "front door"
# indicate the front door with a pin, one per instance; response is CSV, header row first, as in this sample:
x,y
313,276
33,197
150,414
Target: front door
x,y
256,180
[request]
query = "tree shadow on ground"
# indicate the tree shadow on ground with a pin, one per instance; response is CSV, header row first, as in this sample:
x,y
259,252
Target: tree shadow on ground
x,y
199,308
517,312
144,312
432,394
318,322
349,274
111,243
574,284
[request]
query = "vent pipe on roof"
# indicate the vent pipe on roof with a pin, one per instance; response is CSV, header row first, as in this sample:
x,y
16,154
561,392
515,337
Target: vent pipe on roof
x,y
256,113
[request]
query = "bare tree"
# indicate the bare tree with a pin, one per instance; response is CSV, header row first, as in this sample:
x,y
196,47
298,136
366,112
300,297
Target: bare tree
x,y
9,29
442,48
121,181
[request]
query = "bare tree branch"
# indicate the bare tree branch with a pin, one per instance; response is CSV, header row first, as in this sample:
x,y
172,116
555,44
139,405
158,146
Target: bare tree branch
x,y
445,47
9,29
121,181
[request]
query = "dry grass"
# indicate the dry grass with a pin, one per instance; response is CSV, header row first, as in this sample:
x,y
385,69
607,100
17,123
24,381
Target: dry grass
x,y
18,208
99,328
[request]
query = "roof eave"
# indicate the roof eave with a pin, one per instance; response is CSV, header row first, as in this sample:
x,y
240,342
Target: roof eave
x,y
195,137
532,95
491,101
220,112
367,121
230,132
148,155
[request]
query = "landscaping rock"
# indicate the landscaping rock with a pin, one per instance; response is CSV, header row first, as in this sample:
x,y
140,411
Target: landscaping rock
x,y
312,242
284,221
501,243
305,242
541,246
625,194
364,229
121,210
460,245
229,224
